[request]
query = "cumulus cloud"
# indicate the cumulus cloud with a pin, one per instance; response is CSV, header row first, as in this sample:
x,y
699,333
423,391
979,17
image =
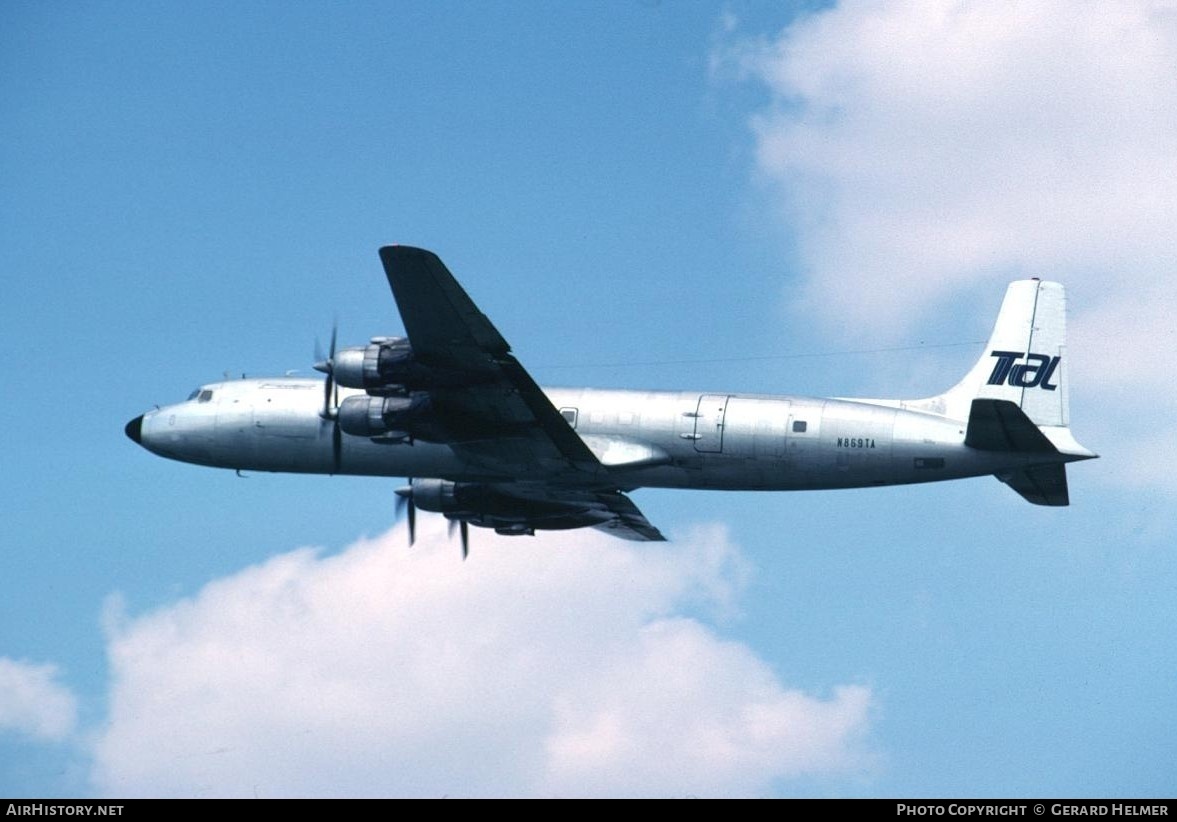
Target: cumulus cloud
x,y
560,665
33,703
927,151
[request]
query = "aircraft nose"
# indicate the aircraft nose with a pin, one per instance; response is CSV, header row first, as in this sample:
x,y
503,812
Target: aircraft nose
x,y
134,429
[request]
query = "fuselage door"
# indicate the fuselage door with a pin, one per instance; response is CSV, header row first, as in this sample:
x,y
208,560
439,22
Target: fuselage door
x,y
709,422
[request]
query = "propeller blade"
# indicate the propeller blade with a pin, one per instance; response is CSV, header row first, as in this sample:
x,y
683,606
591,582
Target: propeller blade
x,y
327,366
336,445
404,499
464,530
331,396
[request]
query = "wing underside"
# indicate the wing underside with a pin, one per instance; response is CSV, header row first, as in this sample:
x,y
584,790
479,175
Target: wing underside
x,y
545,506
490,411
627,521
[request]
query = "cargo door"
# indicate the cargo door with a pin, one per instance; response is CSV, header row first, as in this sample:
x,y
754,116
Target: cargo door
x,y
709,419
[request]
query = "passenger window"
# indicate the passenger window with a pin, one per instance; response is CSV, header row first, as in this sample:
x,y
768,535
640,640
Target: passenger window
x,y
799,426
205,396
569,414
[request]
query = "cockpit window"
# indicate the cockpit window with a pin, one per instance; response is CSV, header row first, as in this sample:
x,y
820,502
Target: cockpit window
x,y
204,396
195,392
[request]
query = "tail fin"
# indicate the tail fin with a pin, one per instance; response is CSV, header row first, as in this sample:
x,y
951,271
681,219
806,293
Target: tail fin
x,y
1024,364
1015,398
1025,360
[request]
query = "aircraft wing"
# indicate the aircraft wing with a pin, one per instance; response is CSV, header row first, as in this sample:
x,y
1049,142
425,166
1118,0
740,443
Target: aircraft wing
x,y
546,505
494,413
627,521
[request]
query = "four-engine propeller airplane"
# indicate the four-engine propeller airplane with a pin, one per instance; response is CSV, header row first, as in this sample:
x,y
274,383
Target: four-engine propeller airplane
x,y
450,407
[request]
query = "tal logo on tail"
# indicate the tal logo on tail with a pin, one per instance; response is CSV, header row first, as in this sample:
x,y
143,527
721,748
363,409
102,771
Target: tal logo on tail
x,y
1035,372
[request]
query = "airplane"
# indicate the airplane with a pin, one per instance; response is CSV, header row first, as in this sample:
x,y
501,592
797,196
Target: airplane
x,y
451,408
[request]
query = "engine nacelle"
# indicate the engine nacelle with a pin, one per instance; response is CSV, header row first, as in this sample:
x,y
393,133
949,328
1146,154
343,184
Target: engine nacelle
x,y
373,416
436,495
471,499
481,505
386,361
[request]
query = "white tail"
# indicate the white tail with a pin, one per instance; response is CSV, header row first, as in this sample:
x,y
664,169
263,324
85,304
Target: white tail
x,y
1024,363
1025,360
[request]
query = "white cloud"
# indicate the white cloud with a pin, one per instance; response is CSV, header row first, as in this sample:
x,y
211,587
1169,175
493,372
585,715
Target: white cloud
x,y
560,665
927,151
33,703
678,711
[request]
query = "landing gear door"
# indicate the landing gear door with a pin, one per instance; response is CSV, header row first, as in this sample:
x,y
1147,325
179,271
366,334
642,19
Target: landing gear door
x,y
709,422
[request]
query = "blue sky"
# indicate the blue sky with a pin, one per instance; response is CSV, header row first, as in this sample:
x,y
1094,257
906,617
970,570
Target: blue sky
x,y
669,195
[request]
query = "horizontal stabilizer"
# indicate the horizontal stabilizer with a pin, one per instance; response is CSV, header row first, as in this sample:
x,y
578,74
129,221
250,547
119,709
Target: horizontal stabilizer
x,y
1040,484
1000,425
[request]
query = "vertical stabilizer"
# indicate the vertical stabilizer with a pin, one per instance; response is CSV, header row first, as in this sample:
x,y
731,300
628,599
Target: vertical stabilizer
x,y
1025,360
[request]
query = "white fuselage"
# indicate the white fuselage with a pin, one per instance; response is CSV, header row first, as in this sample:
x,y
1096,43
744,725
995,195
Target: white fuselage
x,y
644,438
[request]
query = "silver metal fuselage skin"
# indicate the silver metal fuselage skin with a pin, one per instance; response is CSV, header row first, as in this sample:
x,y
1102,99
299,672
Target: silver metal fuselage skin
x,y
645,438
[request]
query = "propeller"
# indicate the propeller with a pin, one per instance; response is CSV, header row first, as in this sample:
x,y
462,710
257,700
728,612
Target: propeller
x,y
404,499
327,366
404,502
331,397
464,530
